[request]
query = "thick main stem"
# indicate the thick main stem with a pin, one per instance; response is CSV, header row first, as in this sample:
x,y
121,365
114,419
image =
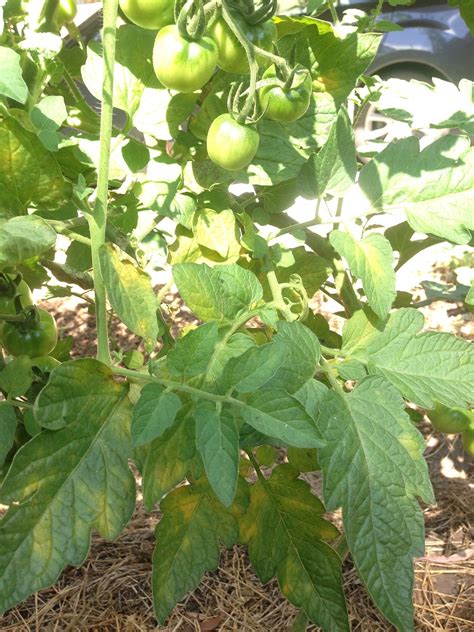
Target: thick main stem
x,y
98,221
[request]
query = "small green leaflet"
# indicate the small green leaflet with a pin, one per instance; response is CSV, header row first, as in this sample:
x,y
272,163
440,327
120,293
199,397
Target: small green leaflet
x,y
12,84
302,356
193,351
371,260
373,467
24,237
153,414
276,413
217,439
425,367
221,293
8,424
436,192
334,168
188,538
131,294
285,531
92,486
254,368
167,459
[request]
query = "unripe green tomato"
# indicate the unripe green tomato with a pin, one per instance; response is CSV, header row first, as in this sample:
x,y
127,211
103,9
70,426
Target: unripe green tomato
x,y
232,56
230,144
45,364
67,11
468,439
37,340
149,14
182,64
286,105
449,420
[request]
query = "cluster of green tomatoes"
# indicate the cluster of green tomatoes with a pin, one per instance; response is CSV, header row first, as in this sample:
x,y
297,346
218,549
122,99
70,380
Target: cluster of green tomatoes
x,y
453,421
24,328
185,60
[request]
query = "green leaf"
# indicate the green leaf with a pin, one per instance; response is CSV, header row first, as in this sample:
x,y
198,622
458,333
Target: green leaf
x,y
254,368
221,293
22,238
131,294
29,174
286,532
334,168
188,537
425,367
371,260
217,440
133,69
168,459
47,117
302,356
217,231
50,519
8,425
193,351
276,413
17,376
435,187
312,270
237,344
12,84
153,414
373,467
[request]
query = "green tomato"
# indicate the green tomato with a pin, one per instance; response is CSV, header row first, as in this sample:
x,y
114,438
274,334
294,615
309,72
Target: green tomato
x,y
286,105
449,420
181,64
35,340
67,11
230,144
468,438
232,57
149,14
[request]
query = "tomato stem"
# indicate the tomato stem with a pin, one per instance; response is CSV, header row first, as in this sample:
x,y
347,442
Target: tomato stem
x,y
98,220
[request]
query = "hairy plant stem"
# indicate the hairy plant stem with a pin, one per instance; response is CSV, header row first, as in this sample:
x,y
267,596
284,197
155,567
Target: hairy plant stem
x,y
98,220
335,353
275,288
136,376
328,371
333,12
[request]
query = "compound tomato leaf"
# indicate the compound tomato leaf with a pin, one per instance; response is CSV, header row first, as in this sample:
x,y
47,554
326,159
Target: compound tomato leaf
x,y
63,484
131,294
8,423
188,538
167,459
153,414
221,293
425,367
277,414
371,260
373,467
286,532
193,351
302,356
217,439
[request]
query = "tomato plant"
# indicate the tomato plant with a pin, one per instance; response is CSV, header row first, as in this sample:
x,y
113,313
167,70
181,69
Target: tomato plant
x,y
211,132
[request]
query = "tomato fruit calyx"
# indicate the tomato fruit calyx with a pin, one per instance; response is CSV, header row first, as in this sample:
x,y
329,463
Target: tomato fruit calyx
x,y
231,144
36,335
190,20
449,420
263,13
288,101
14,295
